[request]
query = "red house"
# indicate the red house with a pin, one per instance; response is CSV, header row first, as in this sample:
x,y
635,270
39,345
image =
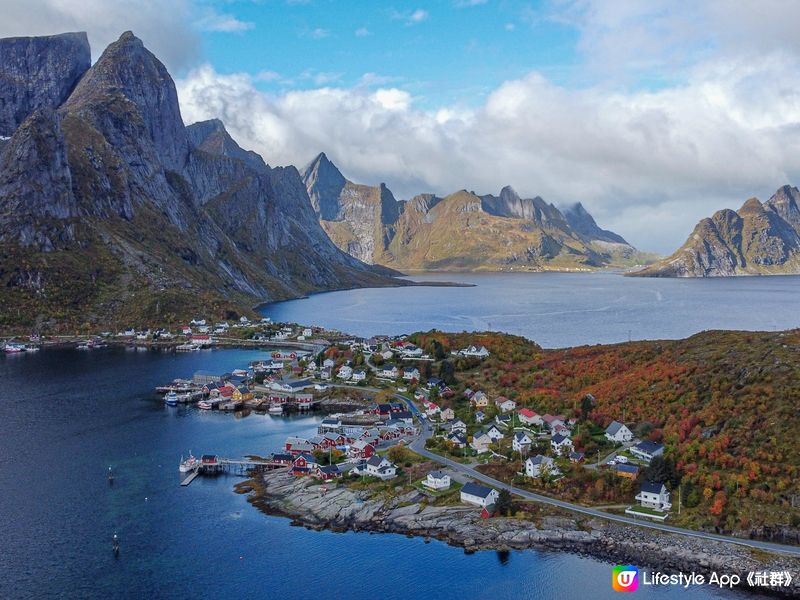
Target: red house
x,y
361,449
304,464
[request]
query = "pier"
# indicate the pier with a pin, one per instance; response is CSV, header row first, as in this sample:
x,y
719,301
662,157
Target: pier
x,y
212,465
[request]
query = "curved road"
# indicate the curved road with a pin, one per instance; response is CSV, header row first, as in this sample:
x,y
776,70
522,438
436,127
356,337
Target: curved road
x,y
418,446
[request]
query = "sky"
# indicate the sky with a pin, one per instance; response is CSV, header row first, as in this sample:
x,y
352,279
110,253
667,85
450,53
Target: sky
x,y
652,114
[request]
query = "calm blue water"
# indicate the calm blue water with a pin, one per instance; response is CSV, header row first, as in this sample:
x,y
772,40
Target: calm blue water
x,y
65,416
557,309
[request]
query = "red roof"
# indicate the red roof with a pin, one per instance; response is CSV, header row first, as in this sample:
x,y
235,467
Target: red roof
x,y
526,412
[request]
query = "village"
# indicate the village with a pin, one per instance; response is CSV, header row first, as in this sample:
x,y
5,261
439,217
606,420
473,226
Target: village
x,y
403,411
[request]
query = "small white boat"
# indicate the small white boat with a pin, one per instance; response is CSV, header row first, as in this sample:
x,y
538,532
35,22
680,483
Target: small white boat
x,y
171,399
31,348
205,405
82,347
190,464
276,408
12,348
186,348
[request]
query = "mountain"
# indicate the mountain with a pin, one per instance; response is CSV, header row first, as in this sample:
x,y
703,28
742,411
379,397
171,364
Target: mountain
x,y
112,210
462,231
758,239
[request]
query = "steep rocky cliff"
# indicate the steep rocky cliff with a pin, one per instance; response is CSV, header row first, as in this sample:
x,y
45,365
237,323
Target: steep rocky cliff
x,y
758,239
110,208
462,231
38,72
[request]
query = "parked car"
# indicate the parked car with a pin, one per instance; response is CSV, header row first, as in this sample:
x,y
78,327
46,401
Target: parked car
x,y
622,460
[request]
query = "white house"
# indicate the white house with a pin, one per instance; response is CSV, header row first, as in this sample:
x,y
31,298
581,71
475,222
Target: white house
x,y
307,332
494,432
480,416
449,415
344,372
618,432
561,444
480,442
411,373
529,417
505,404
458,440
477,351
541,465
437,480
457,426
359,375
389,372
479,495
647,450
411,351
328,363
380,467
521,442
654,495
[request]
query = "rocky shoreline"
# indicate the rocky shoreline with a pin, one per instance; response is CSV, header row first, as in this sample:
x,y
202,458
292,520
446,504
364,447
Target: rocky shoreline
x,y
337,507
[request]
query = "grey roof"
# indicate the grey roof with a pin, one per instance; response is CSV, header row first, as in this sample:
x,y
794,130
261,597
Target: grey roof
x,y
649,447
519,435
473,489
541,460
628,468
558,438
613,428
375,460
437,474
652,487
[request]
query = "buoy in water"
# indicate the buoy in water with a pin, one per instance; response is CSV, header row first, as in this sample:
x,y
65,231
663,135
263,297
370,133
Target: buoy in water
x,y
115,545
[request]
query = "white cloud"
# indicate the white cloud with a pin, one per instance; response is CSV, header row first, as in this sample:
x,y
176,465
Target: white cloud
x,y
362,32
220,22
163,25
468,3
318,33
411,18
647,163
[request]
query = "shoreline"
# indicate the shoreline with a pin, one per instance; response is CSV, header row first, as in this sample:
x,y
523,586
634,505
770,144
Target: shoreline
x,y
341,509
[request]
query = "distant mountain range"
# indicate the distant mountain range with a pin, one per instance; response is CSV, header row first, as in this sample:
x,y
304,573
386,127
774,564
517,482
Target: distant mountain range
x,y
110,208
460,232
758,239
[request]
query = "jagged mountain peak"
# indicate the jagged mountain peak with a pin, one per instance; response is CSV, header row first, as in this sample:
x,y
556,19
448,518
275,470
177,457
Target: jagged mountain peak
x,y
786,203
583,223
324,182
211,136
128,73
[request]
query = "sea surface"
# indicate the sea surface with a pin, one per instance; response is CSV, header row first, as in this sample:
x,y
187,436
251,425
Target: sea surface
x,y
67,415
557,309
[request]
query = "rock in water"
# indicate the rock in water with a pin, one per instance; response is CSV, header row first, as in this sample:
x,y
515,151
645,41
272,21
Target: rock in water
x,y
38,72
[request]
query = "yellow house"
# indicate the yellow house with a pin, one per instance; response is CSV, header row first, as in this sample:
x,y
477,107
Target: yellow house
x,y
242,394
480,400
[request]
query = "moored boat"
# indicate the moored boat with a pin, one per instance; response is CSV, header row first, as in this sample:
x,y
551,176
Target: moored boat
x,y
276,408
205,405
190,464
171,399
13,348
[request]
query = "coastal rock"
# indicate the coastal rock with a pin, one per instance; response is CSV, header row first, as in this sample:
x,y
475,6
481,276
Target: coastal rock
x,y
38,72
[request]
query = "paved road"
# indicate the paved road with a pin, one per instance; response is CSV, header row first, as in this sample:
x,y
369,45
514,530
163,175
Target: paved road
x,y
418,446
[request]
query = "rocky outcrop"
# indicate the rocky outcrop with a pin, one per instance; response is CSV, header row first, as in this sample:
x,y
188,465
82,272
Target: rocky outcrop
x,y
340,508
110,189
584,225
462,231
38,72
758,239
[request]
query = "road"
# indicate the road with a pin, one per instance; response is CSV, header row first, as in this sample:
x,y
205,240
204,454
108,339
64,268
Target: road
x,y
418,446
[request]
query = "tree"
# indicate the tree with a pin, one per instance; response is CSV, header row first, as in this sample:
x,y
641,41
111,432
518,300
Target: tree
x,y
399,454
447,373
587,404
662,469
504,502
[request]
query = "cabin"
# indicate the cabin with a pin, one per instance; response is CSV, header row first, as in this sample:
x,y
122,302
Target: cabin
x,y
560,444
283,458
647,450
242,394
359,375
480,442
457,440
327,472
494,433
411,374
627,471
479,400
437,480
479,495
654,495
361,449
389,372
618,432
303,464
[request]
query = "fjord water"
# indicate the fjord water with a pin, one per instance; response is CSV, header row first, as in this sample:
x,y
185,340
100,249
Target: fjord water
x,y
557,309
67,415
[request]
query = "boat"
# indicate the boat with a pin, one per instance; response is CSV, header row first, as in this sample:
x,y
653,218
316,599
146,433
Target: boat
x,y
186,348
82,347
276,408
31,348
205,405
171,399
190,464
13,348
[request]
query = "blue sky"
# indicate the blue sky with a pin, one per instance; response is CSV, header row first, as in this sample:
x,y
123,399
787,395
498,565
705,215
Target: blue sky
x,y
444,51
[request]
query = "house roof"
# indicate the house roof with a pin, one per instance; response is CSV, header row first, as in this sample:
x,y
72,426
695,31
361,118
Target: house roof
x,y
614,427
559,439
627,469
437,474
375,460
521,435
526,412
652,487
649,447
576,455
329,469
473,489
540,460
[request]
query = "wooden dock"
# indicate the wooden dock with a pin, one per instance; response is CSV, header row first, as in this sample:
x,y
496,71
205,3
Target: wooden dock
x,y
190,477
229,465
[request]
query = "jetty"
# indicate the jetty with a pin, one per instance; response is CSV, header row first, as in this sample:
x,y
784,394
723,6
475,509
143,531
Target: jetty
x,y
211,464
